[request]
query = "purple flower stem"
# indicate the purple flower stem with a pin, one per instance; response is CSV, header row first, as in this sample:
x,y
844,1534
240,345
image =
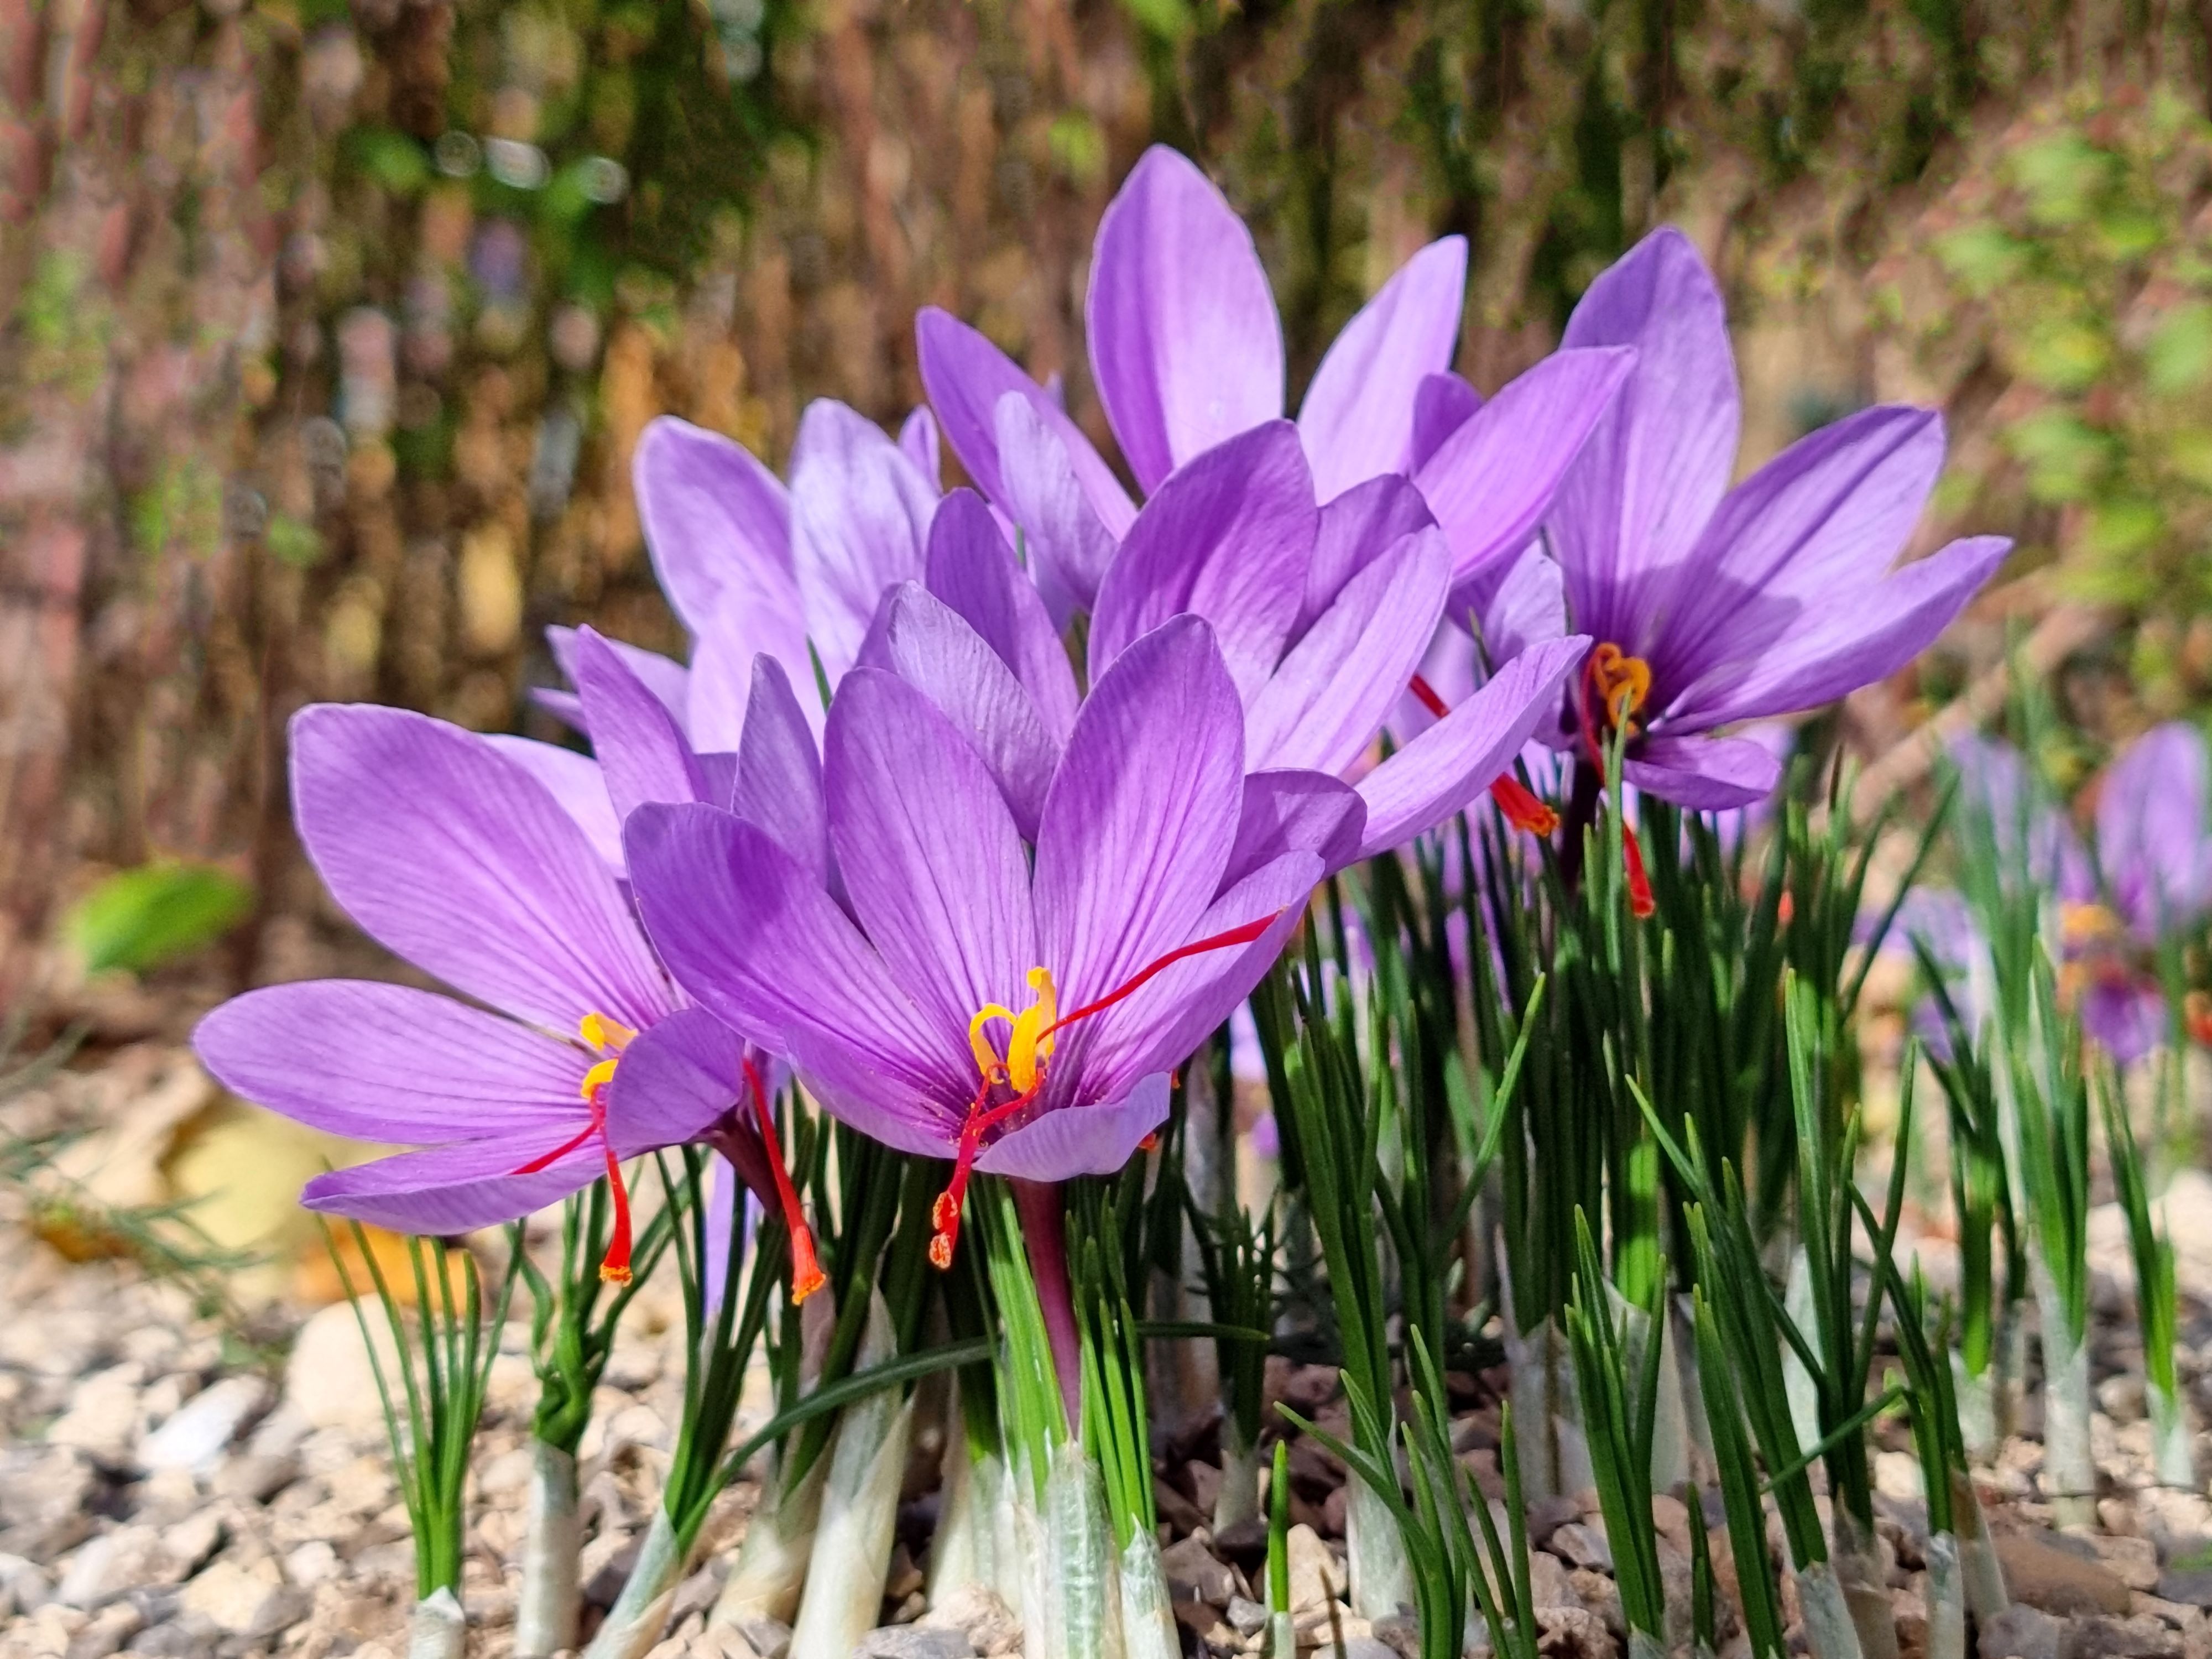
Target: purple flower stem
x,y
1581,814
1043,1230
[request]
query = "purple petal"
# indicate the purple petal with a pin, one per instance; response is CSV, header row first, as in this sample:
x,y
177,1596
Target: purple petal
x,y
387,1062
1835,650
1229,538
1294,812
642,751
860,520
576,782
2128,1019
1528,603
667,679
718,522
966,376
918,438
1493,479
1439,772
779,781
722,671
1706,775
1330,697
1142,813
972,569
1357,526
457,1189
674,1082
1655,470
1184,340
1067,542
1358,416
1442,404
452,855
2151,832
923,643
880,1100
1081,1140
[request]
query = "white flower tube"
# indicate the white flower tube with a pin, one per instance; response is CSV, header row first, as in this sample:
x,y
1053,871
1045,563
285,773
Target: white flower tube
x,y
963,1548
545,1608
1984,1574
640,1613
1148,1626
1080,1577
2172,1438
852,1542
1829,1631
1238,1500
1945,1598
438,1629
1382,1579
2069,1467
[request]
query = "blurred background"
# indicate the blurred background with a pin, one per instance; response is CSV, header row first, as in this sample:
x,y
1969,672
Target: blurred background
x,y
327,329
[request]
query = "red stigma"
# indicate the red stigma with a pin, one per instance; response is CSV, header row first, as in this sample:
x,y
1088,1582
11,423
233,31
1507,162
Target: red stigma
x,y
806,1274
1641,904
614,1266
1426,694
1522,807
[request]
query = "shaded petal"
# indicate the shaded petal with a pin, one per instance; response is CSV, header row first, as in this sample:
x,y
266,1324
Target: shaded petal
x,y
387,1062
936,870
966,376
1067,542
1654,472
1229,538
642,751
1331,694
1492,480
880,1101
717,521
674,1082
454,857
923,643
457,1189
1706,775
1442,404
1835,650
1294,812
2151,834
918,439
576,782
1079,1140
749,933
860,520
1142,813
1528,605
667,679
973,570
1185,343
779,781
2128,1019
1357,420
722,671
1454,761
1355,527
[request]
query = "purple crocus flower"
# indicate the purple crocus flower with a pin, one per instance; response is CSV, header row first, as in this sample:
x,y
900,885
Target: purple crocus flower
x,y
1012,1002
486,865
1713,606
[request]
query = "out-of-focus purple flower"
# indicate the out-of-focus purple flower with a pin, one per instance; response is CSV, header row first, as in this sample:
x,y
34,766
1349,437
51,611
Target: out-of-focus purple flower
x,y
1016,1005
1713,606
1935,926
2153,850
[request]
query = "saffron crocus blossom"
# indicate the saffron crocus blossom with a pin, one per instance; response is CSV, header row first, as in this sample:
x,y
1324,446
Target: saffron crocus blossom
x,y
456,856
1187,351
1713,606
1016,1006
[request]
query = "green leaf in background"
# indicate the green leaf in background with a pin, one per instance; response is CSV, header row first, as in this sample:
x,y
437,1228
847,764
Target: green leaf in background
x,y
2063,454
1983,257
394,160
142,918
2061,175
2066,354
2179,351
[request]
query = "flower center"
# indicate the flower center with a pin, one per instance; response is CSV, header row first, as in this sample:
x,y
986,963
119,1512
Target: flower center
x,y
607,1038
1614,687
1029,1044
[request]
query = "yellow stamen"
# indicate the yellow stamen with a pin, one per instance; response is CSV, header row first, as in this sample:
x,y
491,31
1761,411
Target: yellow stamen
x,y
1621,681
603,1034
1032,1041
986,1057
2083,923
598,1078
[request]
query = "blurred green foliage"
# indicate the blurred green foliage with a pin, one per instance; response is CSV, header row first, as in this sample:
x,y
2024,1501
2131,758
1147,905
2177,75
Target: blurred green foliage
x,y
140,919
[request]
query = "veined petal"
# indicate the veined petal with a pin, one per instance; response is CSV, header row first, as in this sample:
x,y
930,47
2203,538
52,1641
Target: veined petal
x,y
860,521
576,782
1442,404
750,934
457,1189
666,678
722,671
966,376
717,521
779,778
1528,603
1331,694
972,569
1185,343
675,1082
1492,480
1078,1140
382,1062
1067,544
925,643
1355,528
1291,812
1706,775
1454,761
918,439
1229,538
449,853
2151,832
642,751
1625,517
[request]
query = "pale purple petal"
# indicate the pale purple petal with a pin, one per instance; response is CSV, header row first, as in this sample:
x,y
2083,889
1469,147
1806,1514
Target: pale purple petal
x,y
642,751
1184,341
860,521
1442,404
1229,538
1493,479
779,781
1528,605
717,521
966,376
387,1062
674,1082
457,1189
1703,773
575,782
1355,527
452,855
1358,416
1625,518
722,671
2151,833
918,438
925,643
1294,812
666,678
1065,541
972,569
2127,1017
1439,772
1081,1140
1330,697
881,1100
